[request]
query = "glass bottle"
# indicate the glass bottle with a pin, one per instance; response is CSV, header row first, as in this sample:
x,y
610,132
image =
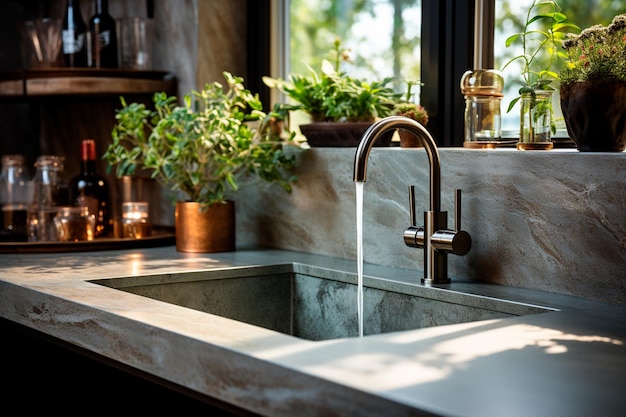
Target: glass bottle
x,y
75,42
61,189
103,37
90,190
14,198
43,208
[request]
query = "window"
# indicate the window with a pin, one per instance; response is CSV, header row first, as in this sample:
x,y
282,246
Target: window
x,y
387,38
427,40
383,36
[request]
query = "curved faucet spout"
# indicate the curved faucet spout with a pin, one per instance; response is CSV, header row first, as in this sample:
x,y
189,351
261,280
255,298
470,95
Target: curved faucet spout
x,y
377,129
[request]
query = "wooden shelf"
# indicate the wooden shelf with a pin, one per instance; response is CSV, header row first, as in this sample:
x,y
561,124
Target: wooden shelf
x,y
83,81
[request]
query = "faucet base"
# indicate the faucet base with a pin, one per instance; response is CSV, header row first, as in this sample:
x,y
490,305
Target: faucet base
x,y
428,281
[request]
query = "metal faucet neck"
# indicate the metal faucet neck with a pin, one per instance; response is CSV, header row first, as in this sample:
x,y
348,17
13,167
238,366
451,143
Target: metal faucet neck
x,y
391,123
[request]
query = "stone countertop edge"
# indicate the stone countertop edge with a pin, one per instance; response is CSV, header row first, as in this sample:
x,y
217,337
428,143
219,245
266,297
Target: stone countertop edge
x,y
569,362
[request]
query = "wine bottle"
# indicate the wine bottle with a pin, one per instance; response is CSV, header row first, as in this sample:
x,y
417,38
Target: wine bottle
x,y
103,36
74,36
90,190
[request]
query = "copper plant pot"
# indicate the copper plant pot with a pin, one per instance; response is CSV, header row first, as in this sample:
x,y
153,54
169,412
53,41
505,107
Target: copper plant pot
x,y
212,230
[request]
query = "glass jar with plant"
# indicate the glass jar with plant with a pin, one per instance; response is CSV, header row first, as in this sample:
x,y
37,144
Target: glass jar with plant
x,y
333,99
593,87
544,30
201,149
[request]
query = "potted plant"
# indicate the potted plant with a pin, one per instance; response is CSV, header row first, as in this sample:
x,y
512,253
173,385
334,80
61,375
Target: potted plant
x,y
334,100
544,30
200,150
408,108
593,87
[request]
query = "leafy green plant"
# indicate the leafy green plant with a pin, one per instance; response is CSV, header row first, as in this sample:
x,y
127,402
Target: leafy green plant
x,y
407,108
597,53
541,39
203,147
413,111
334,96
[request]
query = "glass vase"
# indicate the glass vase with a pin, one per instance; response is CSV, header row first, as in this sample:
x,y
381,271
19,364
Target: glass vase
x,y
536,121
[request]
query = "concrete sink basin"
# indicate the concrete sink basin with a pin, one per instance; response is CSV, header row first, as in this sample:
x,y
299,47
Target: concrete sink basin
x,y
314,303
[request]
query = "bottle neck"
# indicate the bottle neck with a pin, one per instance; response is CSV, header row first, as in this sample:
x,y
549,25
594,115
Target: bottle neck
x,y
88,166
88,156
75,5
102,7
73,16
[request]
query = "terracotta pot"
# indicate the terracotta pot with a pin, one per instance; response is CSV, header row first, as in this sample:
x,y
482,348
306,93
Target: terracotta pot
x,y
329,134
409,140
595,115
211,230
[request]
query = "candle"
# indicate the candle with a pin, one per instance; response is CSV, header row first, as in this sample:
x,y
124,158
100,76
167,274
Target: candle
x,y
135,222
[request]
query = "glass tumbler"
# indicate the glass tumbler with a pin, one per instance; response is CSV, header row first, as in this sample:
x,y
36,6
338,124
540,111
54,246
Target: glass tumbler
x,y
74,224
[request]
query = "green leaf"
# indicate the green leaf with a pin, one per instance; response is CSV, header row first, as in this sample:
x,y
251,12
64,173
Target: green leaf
x,y
512,103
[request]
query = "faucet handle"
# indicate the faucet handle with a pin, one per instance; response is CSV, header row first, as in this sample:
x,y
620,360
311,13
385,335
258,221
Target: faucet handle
x,y
455,241
413,222
413,236
457,209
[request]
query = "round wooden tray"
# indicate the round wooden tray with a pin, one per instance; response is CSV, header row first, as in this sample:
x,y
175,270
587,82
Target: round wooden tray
x,y
161,236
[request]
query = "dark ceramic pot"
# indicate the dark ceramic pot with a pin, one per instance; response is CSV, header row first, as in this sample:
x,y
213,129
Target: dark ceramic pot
x,y
595,115
329,134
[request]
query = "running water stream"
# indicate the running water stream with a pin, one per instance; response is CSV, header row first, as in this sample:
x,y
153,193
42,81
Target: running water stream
x,y
359,254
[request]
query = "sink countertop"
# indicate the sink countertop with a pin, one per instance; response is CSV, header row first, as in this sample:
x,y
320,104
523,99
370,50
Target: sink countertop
x,y
570,362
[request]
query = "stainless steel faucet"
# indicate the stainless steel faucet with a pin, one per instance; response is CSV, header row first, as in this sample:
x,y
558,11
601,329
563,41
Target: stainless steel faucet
x,y
434,237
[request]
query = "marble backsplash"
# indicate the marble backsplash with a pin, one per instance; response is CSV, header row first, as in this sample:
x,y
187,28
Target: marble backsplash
x,y
552,221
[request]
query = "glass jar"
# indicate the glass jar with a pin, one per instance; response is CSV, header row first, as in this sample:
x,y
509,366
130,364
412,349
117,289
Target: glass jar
x,y
74,224
14,198
535,131
483,93
483,121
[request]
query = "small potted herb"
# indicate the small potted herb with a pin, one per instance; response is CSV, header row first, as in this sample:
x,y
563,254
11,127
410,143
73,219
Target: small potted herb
x,y
202,148
408,108
334,101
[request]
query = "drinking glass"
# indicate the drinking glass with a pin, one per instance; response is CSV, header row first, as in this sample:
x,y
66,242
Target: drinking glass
x,y
136,43
41,43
